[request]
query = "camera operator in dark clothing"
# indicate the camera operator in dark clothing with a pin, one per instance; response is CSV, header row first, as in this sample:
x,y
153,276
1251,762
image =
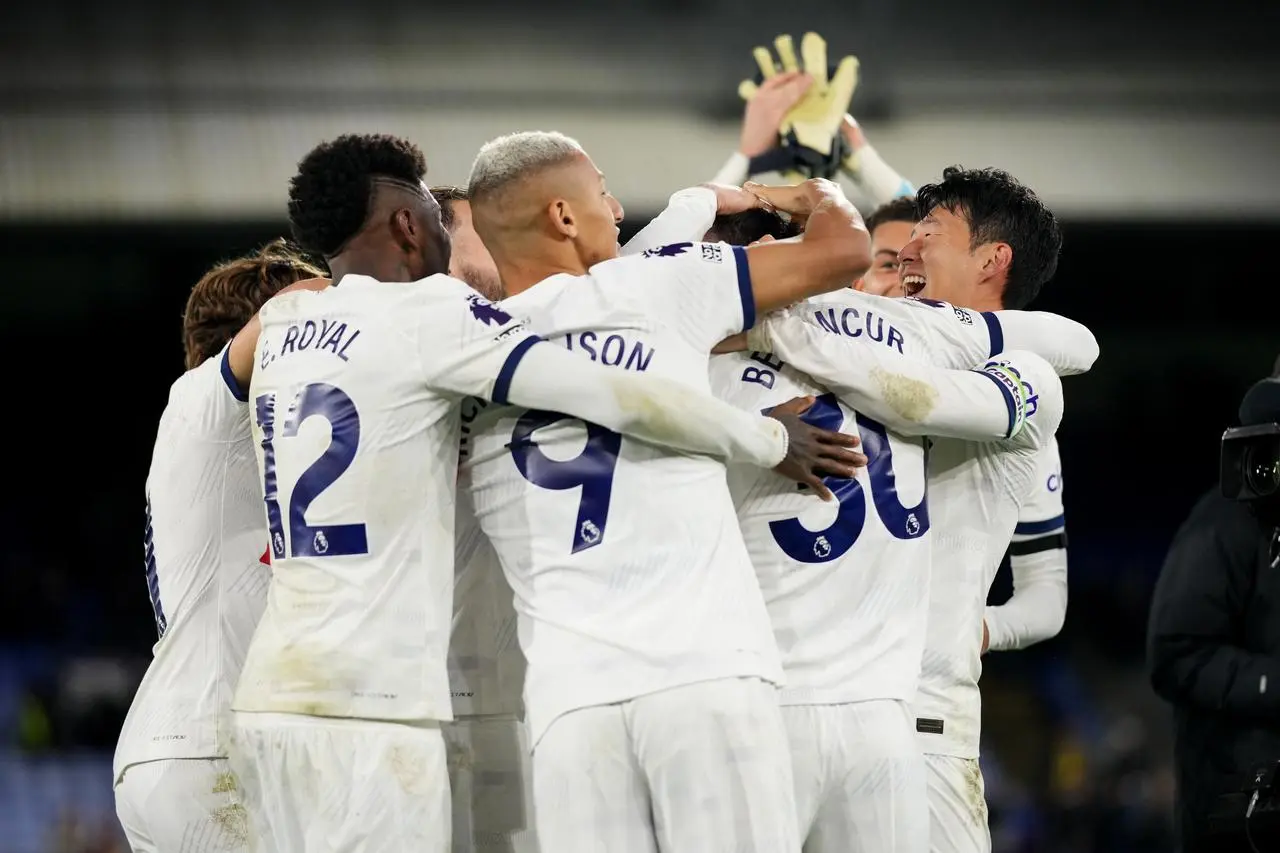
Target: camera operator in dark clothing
x,y
1213,643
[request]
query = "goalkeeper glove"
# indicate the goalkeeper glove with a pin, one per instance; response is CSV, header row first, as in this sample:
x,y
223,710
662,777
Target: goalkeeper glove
x,y
812,144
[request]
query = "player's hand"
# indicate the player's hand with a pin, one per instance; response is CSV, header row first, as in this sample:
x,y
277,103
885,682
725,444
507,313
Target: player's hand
x,y
814,453
986,637
730,199
817,114
855,140
796,199
767,105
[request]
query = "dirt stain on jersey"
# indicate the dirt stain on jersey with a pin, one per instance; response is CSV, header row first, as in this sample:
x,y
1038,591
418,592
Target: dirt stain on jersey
x,y
913,399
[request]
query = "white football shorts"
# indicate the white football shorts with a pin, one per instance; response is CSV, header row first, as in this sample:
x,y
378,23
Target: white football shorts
x,y
320,785
859,776
702,768
957,805
189,805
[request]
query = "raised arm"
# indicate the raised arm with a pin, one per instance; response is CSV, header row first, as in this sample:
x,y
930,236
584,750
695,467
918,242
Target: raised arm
x,y
911,396
688,216
834,249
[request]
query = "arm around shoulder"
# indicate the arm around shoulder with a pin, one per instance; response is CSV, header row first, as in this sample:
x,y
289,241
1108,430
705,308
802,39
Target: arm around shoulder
x,y
833,251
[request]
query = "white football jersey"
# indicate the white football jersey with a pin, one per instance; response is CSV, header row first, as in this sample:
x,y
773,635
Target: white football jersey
x,y
976,491
486,666
355,397
629,571
205,537
846,582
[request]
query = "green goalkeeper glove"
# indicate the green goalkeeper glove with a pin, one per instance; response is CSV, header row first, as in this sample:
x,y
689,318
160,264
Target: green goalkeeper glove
x,y
812,127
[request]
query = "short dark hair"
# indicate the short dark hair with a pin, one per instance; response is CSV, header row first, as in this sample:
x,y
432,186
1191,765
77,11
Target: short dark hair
x,y
329,197
999,209
901,209
748,226
228,295
447,194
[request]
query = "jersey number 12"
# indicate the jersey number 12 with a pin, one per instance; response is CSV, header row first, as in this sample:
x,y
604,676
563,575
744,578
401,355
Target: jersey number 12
x,y
331,540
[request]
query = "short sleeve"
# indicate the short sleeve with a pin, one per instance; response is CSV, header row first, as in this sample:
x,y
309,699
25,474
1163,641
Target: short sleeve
x,y
468,345
701,290
209,399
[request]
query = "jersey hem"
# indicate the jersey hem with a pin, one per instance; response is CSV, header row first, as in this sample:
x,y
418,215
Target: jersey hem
x,y
539,722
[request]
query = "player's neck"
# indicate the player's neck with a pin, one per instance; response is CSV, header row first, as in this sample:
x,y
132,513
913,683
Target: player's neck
x,y
519,276
378,265
980,303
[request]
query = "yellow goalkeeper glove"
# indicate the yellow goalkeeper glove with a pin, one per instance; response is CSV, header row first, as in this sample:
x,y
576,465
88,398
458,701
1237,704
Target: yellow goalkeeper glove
x,y
814,122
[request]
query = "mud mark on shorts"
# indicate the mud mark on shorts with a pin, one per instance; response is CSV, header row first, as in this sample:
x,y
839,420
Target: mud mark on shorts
x,y
973,793
225,783
233,821
409,766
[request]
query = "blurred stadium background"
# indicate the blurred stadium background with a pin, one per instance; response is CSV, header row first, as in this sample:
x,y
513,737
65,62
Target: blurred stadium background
x,y
140,142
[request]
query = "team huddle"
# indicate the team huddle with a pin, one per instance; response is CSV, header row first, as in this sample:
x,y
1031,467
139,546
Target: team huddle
x,y
497,535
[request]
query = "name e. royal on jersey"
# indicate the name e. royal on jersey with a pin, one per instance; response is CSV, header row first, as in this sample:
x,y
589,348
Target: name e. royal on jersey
x,y
300,337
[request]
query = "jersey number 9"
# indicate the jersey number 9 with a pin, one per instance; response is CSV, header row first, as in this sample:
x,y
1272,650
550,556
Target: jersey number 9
x,y
591,470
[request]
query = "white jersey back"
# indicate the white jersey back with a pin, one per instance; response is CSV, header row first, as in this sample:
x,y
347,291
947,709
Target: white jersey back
x,y
486,666
846,582
355,395
205,536
629,571
975,491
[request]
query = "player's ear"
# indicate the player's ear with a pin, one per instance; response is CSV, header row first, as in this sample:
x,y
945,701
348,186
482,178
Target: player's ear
x,y
404,230
562,218
997,259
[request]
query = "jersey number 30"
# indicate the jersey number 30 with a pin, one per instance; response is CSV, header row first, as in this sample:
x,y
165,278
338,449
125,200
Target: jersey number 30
x,y
591,470
332,540
820,546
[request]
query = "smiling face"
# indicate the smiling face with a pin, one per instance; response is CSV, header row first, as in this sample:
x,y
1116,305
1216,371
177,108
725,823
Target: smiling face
x,y
887,241
940,262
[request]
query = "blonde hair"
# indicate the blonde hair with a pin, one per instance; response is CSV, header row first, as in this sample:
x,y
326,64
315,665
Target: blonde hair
x,y
507,159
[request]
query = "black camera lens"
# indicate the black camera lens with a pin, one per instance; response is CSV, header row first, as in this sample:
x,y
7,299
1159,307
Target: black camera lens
x,y
1261,471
